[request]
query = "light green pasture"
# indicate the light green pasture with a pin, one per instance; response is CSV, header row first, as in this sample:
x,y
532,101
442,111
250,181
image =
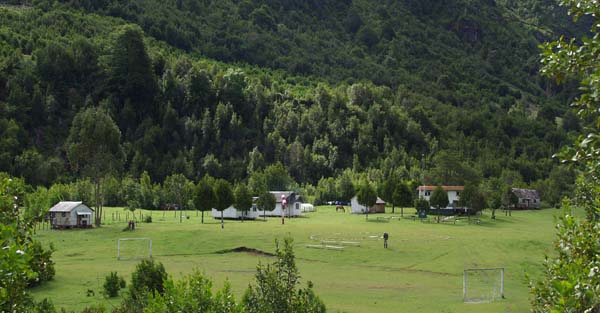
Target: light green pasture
x,y
421,271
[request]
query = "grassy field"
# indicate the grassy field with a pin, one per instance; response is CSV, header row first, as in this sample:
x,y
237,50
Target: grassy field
x,y
421,271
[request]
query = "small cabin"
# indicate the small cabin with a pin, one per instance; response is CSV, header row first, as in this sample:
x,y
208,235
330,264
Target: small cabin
x,y
528,198
71,214
357,208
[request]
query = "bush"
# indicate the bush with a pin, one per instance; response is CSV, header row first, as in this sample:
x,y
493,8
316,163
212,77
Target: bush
x,y
94,309
112,284
265,294
45,306
41,263
148,219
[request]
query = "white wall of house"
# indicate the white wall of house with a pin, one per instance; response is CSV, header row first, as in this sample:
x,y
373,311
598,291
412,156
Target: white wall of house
x,y
453,196
356,207
233,213
291,210
70,218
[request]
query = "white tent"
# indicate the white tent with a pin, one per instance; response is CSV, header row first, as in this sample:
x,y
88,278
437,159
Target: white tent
x,y
307,207
358,208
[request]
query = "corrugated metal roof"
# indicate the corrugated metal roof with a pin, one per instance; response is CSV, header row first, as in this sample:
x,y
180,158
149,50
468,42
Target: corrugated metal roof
x,y
278,194
65,206
446,188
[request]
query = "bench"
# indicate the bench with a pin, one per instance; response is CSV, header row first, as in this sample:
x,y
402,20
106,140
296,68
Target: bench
x,y
325,247
474,221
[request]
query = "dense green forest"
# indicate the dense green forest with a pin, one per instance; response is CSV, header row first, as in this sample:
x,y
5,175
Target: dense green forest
x,y
436,92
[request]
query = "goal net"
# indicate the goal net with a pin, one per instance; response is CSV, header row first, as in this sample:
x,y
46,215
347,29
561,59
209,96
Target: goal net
x,y
483,284
134,248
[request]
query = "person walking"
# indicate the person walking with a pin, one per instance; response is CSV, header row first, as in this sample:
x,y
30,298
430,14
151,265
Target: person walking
x,y
385,239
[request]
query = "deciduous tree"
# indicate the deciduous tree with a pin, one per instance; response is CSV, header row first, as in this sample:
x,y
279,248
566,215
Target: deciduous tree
x,y
243,199
224,196
94,149
204,195
266,201
403,196
367,196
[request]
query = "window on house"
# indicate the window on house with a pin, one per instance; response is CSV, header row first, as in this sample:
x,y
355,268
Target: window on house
x,y
534,201
458,193
524,200
63,214
427,193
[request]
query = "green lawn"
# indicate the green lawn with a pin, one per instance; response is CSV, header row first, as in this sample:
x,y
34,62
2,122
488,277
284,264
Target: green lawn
x,y
420,272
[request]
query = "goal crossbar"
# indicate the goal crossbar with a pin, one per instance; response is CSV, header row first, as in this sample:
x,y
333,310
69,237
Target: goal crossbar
x,y
485,269
133,239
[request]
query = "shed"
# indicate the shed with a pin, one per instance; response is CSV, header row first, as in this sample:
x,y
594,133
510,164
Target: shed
x,y
67,214
358,208
528,198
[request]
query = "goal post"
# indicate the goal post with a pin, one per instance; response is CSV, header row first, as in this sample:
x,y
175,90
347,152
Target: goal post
x,y
483,284
134,248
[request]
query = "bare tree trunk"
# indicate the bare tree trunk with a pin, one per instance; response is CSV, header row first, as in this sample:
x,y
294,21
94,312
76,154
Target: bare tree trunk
x,y
202,216
222,225
97,202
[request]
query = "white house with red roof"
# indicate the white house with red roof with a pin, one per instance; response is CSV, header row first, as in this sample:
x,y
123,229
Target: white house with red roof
x,y
453,193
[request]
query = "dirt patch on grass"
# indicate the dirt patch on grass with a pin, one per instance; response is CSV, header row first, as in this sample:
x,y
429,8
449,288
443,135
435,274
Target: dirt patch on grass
x,y
251,251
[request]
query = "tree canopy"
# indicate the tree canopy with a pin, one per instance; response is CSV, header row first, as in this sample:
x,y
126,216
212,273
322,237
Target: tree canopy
x,y
439,198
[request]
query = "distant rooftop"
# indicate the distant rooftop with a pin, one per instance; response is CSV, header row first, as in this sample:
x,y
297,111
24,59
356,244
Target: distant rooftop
x,y
446,188
65,206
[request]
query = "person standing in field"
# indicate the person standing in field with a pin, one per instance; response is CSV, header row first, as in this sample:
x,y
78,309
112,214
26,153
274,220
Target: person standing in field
x,y
385,239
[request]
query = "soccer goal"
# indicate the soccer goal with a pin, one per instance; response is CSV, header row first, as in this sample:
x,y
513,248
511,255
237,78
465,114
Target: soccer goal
x,y
134,248
483,284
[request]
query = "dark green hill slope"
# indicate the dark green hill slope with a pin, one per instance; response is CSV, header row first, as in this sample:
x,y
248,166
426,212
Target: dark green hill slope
x,y
226,87
447,49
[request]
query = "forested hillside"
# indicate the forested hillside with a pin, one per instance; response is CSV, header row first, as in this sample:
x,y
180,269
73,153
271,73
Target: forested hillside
x,y
439,92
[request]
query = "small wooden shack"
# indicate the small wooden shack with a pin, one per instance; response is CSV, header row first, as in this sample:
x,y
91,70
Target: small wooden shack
x,y
528,198
71,214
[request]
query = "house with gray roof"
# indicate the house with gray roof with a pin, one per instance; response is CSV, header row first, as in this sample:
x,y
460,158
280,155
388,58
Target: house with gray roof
x,y
71,214
528,198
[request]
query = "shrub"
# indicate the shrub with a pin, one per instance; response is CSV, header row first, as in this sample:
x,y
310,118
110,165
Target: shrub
x,y
45,306
41,263
147,280
112,284
267,296
94,309
148,219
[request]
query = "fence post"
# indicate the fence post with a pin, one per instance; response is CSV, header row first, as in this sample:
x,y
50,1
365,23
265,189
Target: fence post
x,y
464,286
